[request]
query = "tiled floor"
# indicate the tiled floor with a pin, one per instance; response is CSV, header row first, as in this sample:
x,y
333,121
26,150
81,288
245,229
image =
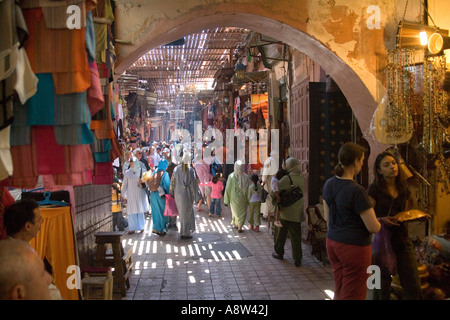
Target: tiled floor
x,y
219,263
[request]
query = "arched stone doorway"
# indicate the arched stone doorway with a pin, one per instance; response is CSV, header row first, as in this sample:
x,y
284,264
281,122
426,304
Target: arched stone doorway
x,y
357,80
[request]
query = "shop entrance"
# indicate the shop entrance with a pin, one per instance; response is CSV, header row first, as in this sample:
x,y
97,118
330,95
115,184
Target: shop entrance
x,y
290,116
359,97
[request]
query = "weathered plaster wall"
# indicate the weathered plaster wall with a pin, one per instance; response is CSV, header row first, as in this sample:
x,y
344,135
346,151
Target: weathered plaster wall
x,y
341,26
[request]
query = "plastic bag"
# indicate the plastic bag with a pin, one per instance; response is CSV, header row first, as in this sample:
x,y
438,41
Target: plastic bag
x,y
382,253
171,207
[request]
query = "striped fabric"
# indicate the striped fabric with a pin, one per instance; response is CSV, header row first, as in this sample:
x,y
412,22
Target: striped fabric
x,y
20,130
61,52
25,173
103,173
68,113
79,134
56,16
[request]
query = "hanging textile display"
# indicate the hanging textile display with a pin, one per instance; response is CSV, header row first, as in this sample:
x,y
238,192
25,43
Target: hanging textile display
x,y
71,109
67,63
16,76
58,113
260,102
106,147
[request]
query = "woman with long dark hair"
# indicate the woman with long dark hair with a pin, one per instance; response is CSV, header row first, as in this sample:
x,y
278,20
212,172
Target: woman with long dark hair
x,y
352,220
389,196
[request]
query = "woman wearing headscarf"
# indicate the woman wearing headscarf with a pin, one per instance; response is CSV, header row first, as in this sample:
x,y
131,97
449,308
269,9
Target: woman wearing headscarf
x,y
158,200
235,195
291,216
185,190
135,196
269,171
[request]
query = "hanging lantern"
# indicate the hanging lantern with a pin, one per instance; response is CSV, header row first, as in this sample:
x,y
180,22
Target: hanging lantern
x,y
240,71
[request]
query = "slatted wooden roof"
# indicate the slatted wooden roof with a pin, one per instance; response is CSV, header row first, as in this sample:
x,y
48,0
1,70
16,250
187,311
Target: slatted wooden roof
x,y
178,73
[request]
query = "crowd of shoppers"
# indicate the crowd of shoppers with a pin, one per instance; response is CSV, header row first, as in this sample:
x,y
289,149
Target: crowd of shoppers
x,y
152,173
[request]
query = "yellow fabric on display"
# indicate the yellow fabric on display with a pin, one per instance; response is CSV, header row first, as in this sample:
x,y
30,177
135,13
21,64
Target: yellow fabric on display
x,y
55,240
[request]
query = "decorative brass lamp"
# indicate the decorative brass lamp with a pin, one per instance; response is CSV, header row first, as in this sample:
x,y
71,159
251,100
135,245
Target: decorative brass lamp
x,y
409,34
413,35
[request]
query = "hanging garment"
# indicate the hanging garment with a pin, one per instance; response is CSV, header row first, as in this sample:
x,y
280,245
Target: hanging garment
x,y
260,122
105,13
69,165
13,33
260,101
68,61
6,163
103,173
8,61
25,81
90,38
68,113
95,97
252,119
73,179
55,14
102,124
56,242
5,201
26,173
102,150
50,155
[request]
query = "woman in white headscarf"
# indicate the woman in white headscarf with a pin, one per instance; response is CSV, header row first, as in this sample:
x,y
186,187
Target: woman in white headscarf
x,y
136,198
235,194
269,171
184,188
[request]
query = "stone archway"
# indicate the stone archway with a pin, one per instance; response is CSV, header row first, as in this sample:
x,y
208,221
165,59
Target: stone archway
x,y
355,74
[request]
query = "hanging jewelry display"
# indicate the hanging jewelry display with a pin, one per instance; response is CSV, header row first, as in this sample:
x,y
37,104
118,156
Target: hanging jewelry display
x,y
397,122
434,110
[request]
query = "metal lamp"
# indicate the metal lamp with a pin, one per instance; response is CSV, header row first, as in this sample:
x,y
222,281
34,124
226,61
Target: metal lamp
x,y
240,71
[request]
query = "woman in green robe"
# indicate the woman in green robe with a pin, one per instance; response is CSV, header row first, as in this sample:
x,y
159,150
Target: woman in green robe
x,y
235,195
292,216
